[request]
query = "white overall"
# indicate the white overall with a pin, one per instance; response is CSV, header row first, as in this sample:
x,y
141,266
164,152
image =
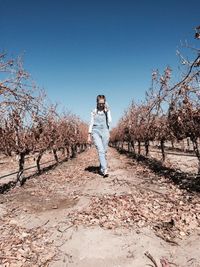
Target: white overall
x,y
100,134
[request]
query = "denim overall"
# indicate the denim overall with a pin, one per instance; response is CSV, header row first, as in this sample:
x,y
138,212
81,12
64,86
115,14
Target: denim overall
x,y
100,134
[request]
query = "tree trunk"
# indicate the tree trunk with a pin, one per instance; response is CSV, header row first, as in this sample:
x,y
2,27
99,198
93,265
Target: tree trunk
x,y
68,153
8,152
122,145
73,149
55,154
21,167
129,147
146,144
82,148
133,146
38,161
139,147
162,145
188,144
172,143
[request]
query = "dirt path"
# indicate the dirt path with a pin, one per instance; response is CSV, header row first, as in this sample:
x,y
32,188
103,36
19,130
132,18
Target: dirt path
x,y
71,216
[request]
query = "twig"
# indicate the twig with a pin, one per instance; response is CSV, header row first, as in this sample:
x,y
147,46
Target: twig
x,y
38,227
148,255
65,228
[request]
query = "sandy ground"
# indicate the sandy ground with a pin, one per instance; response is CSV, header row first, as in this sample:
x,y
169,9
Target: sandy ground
x,y
55,219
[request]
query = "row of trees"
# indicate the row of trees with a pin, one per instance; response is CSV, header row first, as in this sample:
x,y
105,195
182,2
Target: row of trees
x,y
28,125
169,112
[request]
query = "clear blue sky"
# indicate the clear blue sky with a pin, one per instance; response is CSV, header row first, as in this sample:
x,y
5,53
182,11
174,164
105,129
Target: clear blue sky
x,y
79,49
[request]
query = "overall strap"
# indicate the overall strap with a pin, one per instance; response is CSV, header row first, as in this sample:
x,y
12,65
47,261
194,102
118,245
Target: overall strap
x,y
106,118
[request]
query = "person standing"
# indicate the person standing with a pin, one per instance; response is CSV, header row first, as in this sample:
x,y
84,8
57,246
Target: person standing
x,y
99,131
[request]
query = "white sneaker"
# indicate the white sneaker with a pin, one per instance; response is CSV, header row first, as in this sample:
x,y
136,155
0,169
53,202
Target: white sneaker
x,y
105,173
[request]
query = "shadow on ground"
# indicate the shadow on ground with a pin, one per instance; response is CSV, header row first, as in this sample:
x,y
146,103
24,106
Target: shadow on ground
x,y
94,169
6,187
188,181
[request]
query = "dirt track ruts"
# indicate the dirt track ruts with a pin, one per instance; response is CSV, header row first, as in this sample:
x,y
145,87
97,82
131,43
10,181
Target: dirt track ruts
x,y
53,216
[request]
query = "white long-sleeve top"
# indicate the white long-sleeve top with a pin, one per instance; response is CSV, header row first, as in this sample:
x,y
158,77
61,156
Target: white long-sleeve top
x,y
93,113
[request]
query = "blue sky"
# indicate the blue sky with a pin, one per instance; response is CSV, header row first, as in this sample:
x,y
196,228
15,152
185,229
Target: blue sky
x,y
76,50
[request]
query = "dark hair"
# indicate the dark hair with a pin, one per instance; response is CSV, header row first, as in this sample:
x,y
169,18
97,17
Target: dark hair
x,y
101,97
